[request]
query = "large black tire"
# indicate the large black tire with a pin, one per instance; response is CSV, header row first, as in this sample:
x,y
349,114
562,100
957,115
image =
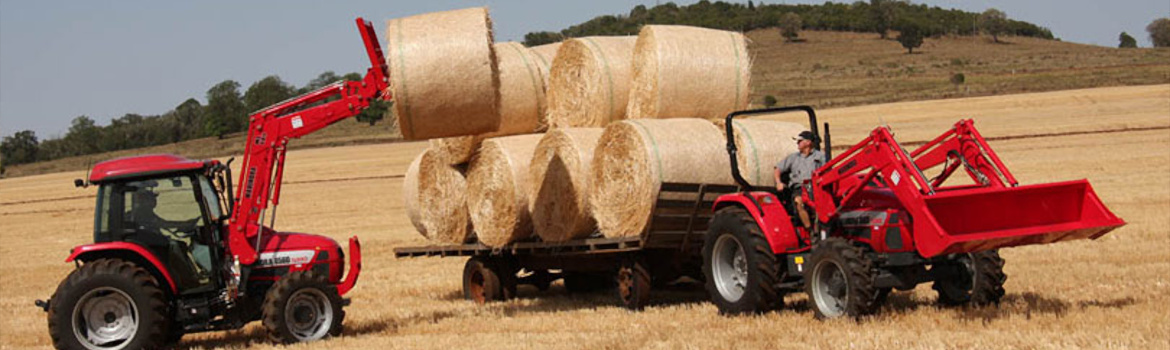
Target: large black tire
x,y
302,306
971,279
123,295
841,281
633,284
739,267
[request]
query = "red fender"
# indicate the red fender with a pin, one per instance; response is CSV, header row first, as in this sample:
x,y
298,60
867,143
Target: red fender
x,y
84,252
355,266
774,221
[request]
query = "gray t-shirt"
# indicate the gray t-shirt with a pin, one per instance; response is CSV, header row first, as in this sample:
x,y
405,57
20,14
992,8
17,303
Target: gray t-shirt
x,y
801,167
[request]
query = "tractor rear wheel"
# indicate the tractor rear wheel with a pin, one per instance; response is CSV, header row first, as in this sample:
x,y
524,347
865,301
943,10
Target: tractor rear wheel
x,y
740,269
302,307
842,280
108,304
973,278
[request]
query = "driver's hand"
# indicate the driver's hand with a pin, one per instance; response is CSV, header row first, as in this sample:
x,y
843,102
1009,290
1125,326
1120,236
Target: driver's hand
x,y
780,186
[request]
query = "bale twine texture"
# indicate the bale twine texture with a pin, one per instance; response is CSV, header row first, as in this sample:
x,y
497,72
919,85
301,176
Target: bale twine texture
x,y
559,198
589,81
443,76
497,189
762,144
634,157
688,72
521,103
544,58
442,201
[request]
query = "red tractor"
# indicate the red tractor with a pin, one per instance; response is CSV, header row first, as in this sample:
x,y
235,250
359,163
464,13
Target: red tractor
x,y
176,252
882,223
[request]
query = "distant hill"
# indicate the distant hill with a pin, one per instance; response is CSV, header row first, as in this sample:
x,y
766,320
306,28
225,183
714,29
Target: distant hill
x,y
873,16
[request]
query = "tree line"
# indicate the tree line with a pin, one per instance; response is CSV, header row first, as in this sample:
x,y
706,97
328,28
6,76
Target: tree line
x,y
226,112
876,16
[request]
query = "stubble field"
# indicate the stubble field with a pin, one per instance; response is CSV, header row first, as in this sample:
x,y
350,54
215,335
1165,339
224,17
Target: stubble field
x,y
1109,293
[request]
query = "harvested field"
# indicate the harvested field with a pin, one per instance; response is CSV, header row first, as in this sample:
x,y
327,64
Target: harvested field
x,y
1110,293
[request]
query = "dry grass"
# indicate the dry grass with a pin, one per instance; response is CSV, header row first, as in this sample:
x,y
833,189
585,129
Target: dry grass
x,y
1110,293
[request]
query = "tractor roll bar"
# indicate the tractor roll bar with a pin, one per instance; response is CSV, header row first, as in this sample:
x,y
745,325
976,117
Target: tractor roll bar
x,y
732,150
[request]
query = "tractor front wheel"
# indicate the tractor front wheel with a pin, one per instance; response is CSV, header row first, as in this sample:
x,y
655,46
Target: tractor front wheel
x,y
740,269
974,278
302,307
108,304
842,280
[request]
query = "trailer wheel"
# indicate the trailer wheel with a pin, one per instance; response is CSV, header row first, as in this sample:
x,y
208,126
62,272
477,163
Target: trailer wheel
x,y
481,284
300,307
108,304
974,278
633,284
842,280
739,267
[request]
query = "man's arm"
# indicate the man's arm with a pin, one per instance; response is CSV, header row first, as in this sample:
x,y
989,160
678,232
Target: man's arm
x,y
782,167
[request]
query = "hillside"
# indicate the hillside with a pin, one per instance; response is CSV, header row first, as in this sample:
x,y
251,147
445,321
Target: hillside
x,y
828,69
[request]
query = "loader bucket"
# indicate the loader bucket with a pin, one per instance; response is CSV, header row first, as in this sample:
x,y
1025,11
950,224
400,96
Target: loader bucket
x,y
970,221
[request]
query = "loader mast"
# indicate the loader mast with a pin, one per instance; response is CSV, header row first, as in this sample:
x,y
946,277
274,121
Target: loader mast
x,y
269,131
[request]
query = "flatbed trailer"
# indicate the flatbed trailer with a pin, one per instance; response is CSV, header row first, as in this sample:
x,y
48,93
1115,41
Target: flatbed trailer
x,y
670,247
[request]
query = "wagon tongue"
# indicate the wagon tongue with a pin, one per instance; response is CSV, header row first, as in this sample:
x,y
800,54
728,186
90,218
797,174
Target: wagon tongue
x,y
1016,216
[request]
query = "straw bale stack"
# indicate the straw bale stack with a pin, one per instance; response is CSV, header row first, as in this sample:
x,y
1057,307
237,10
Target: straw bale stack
x,y
688,72
441,201
589,81
497,189
443,75
559,172
521,103
634,157
762,144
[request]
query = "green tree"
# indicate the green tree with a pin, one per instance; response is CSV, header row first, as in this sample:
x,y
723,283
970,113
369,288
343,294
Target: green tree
x,y
20,148
541,38
266,92
790,24
189,117
1159,31
910,37
993,22
1126,41
225,109
883,13
323,79
83,137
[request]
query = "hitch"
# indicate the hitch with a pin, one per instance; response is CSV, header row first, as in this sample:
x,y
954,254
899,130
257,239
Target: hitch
x,y
43,304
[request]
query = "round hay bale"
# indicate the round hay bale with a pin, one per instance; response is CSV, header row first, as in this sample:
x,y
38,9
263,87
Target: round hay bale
x,y
762,144
410,198
589,81
442,201
688,72
544,58
443,76
559,172
634,157
497,189
521,103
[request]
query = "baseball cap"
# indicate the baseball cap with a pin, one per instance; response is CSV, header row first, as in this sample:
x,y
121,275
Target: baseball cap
x,y
805,135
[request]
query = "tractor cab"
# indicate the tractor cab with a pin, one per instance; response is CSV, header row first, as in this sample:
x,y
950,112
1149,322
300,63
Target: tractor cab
x,y
169,205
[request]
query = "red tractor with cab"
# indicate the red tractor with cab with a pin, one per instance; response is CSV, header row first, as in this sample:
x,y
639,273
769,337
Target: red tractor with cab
x,y
176,252
881,224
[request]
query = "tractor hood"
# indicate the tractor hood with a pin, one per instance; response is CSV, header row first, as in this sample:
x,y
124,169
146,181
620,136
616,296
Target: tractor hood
x,y
290,248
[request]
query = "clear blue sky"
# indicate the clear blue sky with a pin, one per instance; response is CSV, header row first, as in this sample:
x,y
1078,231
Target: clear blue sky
x,y
62,59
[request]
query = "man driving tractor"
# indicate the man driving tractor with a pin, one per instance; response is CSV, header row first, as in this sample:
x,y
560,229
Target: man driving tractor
x,y
799,167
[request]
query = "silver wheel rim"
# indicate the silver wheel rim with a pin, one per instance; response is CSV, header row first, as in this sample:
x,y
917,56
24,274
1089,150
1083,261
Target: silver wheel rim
x,y
729,268
308,314
105,318
830,288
